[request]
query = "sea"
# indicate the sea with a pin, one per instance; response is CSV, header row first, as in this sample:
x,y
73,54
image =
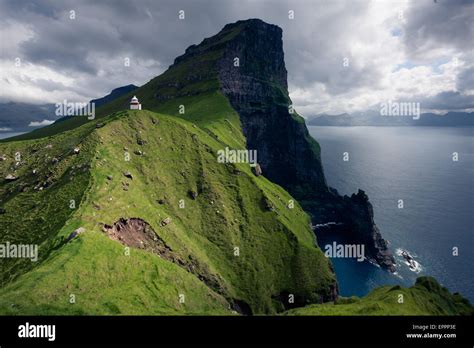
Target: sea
x,y
431,169
420,181
4,135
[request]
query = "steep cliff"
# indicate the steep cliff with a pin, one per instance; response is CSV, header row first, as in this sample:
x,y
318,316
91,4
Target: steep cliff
x,y
257,88
237,246
244,62
243,65
249,61
253,77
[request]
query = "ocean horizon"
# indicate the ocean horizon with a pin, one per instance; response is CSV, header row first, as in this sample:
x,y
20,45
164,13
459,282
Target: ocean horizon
x,y
414,165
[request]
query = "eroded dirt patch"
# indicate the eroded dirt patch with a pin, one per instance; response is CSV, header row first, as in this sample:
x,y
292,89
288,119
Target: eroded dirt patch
x,y
137,233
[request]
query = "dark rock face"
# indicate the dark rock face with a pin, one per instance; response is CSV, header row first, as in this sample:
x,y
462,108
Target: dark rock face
x,y
241,307
251,71
360,220
257,89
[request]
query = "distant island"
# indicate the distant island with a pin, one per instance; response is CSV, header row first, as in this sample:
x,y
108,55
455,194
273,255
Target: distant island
x,y
373,118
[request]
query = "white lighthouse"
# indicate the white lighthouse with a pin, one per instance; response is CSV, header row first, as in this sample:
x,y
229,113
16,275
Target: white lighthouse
x,y
135,104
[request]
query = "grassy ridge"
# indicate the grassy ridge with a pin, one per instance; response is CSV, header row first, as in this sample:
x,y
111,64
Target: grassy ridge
x,y
426,297
172,158
190,77
277,251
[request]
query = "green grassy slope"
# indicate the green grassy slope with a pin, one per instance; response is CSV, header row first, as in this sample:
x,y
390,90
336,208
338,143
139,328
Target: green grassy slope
x,y
277,252
181,84
103,280
426,297
172,154
277,248
50,180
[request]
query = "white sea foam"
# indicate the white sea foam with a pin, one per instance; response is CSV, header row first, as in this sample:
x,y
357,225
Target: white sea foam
x,y
409,260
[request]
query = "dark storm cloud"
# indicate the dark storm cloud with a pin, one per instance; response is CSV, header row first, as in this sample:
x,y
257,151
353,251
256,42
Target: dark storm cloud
x,y
49,85
63,43
142,29
465,80
448,101
92,47
442,23
152,30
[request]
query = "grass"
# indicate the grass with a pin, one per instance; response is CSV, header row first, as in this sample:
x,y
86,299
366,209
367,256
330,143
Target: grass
x,y
33,216
169,155
426,297
277,248
104,281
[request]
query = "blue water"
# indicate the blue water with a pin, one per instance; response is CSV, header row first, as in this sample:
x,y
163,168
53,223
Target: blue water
x,y
9,134
414,164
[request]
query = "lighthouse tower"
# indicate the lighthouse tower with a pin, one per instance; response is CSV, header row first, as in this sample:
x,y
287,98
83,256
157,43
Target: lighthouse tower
x,y
135,104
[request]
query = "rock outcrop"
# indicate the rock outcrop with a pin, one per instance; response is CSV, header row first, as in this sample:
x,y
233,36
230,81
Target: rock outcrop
x,y
258,90
288,155
360,220
248,59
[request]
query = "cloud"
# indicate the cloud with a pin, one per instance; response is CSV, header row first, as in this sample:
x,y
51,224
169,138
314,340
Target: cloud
x,y
437,28
448,101
40,123
465,80
342,56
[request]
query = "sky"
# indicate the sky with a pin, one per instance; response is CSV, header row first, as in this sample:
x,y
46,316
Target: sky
x,y
341,55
